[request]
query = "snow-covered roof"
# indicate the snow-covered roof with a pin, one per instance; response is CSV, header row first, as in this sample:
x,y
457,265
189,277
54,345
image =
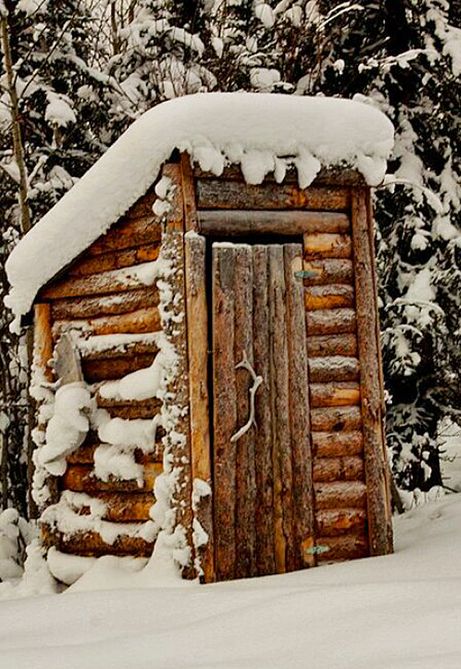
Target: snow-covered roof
x,y
262,132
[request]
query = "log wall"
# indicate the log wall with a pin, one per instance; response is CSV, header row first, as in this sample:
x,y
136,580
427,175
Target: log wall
x,y
102,294
335,396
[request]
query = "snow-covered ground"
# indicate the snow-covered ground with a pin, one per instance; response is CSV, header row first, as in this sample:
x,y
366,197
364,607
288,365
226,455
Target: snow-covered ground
x,y
397,612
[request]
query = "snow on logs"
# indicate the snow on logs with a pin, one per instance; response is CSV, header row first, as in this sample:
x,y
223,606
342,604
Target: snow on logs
x,y
108,301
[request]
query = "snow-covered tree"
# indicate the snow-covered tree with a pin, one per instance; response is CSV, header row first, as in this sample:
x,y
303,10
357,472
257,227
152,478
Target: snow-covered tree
x,y
51,131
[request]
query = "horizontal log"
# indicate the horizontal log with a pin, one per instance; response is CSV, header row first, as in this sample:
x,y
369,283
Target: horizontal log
x,y
333,368
87,265
336,444
110,369
349,547
113,348
136,322
127,507
128,234
349,468
330,296
331,321
219,222
220,194
130,409
340,495
122,507
326,345
84,455
119,303
337,522
81,478
327,245
331,270
91,544
336,419
343,393
104,283
326,177
143,206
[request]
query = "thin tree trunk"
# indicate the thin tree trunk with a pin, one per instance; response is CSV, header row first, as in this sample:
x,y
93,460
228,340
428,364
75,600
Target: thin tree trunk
x,y
16,133
25,218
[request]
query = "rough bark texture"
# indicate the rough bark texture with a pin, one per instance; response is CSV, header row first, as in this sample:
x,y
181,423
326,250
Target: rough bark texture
x,y
219,194
372,401
228,222
197,334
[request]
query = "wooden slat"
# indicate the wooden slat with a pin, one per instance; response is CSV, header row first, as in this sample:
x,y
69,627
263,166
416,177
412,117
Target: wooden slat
x,y
136,322
43,341
224,412
84,455
327,245
176,400
81,478
127,508
337,522
112,281
302,486
143,206
220,194
89,265
90,307
91,544
332,296
197,337
279,372
335,444
328,271
336,419
326,345
132,410
124,507
340,494
109,369
264,519
188,194
333,368
127,234
343,393
109,348
245,483
221,222
349,547
349,468
379,519
331,321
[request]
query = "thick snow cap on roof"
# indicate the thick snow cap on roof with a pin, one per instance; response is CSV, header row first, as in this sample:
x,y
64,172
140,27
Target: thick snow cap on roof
x,y
262,132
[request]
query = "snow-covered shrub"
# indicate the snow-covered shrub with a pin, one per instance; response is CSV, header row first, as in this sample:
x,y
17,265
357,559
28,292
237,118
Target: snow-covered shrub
x,y
15,533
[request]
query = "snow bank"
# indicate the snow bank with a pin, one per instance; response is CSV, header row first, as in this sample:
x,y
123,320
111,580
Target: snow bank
x,y
261,132
401,611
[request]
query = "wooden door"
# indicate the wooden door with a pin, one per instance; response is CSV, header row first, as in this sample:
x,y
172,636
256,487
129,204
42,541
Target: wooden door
x,y
262,468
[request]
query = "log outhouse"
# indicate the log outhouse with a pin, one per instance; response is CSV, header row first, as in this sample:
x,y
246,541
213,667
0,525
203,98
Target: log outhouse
x,y
206,337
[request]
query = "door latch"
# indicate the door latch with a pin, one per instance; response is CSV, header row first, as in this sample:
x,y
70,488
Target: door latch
x,y
305,274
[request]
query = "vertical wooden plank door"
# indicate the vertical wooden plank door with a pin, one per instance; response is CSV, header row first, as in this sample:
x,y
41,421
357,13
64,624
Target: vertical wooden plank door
x,y
262,466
